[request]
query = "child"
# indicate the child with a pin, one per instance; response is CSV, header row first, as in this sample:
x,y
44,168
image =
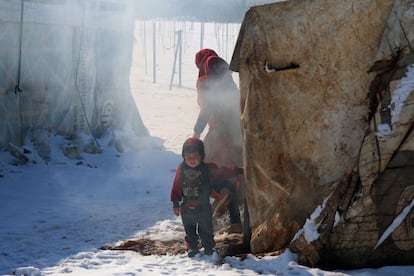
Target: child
x,y
193,187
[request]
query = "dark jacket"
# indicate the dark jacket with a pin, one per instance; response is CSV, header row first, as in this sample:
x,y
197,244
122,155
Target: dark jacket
x,y
193,187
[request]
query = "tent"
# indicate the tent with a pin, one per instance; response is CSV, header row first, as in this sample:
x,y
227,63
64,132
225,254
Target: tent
x,y
320,82
65,69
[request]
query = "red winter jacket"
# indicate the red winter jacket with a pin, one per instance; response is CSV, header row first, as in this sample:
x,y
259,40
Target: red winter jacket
x,y
213,172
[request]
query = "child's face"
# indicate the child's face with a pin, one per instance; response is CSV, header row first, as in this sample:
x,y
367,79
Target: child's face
x,y
192,159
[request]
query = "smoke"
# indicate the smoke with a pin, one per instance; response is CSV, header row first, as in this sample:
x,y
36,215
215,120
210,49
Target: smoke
x,y
75,61
155,50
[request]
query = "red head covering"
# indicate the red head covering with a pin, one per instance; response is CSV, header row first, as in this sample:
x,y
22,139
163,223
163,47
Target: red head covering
x,y
192,145
202,55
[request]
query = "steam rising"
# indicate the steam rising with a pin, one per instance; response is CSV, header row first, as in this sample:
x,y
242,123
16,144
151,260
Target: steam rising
x,y
68,65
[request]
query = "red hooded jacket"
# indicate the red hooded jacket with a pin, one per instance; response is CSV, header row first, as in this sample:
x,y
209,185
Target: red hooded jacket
x,y
212,171
216,89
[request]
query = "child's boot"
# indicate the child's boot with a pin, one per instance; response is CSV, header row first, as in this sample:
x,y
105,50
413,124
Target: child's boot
x,y
192,252
208,251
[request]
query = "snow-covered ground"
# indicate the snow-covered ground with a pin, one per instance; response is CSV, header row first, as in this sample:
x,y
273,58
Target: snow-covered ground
x,y
55,216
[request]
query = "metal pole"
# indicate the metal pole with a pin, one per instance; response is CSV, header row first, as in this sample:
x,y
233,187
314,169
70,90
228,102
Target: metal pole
x,y
227,38
154,55
201,35
179,58
175,62
145,49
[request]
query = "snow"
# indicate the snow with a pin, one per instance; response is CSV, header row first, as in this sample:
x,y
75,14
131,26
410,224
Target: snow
x,y
402,91
383,130
405,87
395,223
56,215
310,228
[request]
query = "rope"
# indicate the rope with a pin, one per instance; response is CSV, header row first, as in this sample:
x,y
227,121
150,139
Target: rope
x,y
377,146
17,87
404,33
76,76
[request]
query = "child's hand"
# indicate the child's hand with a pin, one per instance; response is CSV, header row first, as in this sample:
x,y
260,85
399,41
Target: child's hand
x,y
176,211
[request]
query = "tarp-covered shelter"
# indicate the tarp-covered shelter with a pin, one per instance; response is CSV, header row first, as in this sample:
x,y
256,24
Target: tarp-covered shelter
x,y
65,68
320,81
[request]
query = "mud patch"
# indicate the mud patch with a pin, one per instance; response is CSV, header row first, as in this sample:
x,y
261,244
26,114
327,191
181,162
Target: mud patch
x,y
226,245
150,247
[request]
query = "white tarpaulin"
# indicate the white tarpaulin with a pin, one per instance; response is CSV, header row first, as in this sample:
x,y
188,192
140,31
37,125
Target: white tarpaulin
x,y
65,67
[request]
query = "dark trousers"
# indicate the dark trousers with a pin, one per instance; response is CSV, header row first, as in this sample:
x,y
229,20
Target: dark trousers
x,y
197,223
234,211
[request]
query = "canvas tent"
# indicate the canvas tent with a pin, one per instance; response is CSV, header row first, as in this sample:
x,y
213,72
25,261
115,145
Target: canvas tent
x,y
316,82
65,68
